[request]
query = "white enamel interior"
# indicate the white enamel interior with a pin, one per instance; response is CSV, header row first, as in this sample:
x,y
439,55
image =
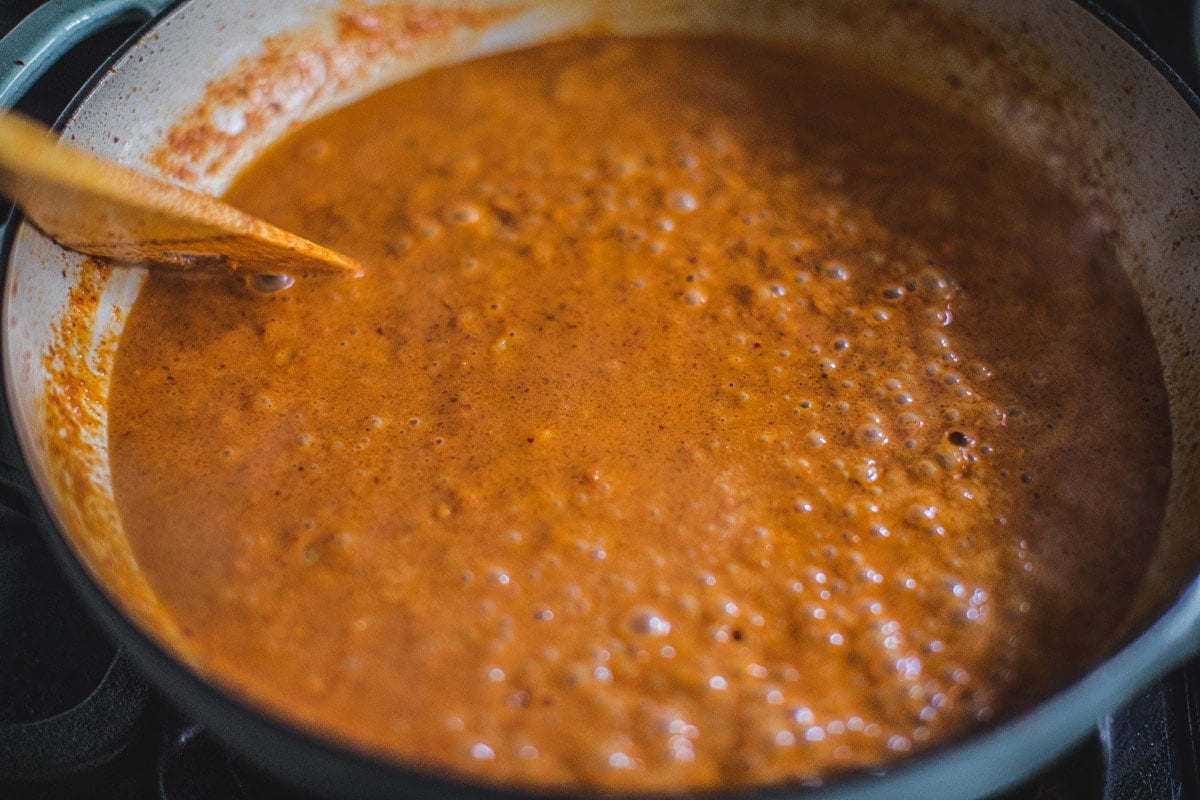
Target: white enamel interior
x,y
1137,138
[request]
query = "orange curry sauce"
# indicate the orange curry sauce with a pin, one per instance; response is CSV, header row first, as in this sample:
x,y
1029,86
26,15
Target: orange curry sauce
x,y
709,415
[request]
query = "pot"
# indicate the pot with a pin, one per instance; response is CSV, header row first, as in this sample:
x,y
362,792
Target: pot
x,y
1055,79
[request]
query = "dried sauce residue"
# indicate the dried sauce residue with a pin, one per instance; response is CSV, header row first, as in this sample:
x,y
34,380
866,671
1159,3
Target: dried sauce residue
x,y
73,411
308,69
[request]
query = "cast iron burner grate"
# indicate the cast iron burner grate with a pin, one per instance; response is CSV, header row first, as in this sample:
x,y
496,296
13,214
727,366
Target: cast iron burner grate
x,y
77,722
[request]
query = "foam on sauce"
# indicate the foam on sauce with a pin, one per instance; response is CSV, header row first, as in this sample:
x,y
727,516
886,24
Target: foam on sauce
x,y
710,415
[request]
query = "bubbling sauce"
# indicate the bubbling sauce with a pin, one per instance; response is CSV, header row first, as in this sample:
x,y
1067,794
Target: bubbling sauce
x,y
710,415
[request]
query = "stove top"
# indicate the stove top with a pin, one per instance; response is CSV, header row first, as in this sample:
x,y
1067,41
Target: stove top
x,y
76,721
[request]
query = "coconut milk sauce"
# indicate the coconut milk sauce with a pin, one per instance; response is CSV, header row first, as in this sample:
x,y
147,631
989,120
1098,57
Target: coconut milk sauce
x,y
709,415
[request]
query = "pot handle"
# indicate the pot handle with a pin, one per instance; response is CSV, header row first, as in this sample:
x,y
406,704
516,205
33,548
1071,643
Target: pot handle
x,y
49,32
1149,745
102,724
14,489
86,736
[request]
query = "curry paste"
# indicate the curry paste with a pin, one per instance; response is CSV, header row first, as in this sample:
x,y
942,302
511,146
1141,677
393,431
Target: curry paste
x,y
709,415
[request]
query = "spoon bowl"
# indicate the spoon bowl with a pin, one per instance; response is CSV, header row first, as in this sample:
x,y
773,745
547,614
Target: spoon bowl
x,y
114,213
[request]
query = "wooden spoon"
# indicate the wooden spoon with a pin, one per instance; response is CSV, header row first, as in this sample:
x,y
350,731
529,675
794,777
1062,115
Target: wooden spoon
x,y
101,209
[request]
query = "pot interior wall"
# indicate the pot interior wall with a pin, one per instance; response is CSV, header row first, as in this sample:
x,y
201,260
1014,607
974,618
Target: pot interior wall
x,y
1048,77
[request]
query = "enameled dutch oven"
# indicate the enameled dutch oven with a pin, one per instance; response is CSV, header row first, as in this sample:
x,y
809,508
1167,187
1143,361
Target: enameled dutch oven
x,y
208,84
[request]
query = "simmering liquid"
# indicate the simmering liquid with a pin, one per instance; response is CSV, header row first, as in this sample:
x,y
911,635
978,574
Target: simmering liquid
x,y
709,415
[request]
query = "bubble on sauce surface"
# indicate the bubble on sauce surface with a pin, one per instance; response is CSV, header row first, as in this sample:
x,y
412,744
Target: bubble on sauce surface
x,y
270,283
870,435
681,200
647,622
462,213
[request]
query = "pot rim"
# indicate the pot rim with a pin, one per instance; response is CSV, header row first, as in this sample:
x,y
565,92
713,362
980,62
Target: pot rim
x,y
984,760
